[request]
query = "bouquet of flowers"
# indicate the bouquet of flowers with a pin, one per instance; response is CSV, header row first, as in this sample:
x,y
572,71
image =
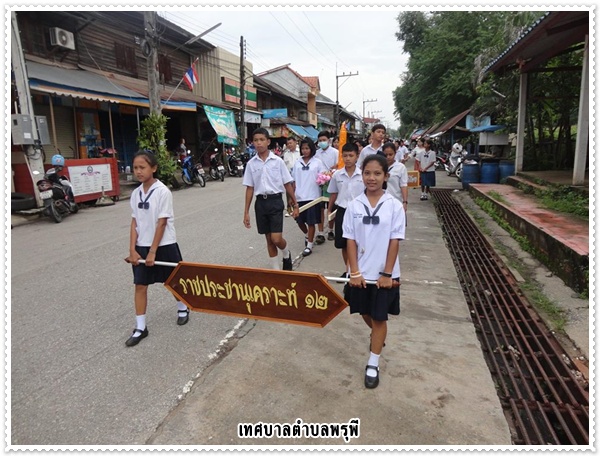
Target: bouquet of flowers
x,y
323,181
324,178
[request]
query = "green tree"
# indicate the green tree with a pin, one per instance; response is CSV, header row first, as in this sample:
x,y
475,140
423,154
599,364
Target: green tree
x,y
153,137
446,59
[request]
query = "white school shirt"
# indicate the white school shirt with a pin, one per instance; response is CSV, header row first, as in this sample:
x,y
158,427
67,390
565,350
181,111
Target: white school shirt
x,y
290,157
402,153
266,177
371,239
367,150
329,157
426,158
160,206
347,187
398,179
307,188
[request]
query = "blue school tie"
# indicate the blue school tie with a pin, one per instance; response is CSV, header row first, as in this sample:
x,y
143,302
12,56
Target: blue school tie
x,y
144,204
371,219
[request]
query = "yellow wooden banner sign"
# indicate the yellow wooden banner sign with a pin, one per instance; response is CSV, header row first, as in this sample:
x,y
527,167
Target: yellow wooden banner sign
x,y
265,294
414,179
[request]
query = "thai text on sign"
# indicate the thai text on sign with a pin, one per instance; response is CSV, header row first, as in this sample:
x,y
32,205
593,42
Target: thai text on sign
x,y
292,297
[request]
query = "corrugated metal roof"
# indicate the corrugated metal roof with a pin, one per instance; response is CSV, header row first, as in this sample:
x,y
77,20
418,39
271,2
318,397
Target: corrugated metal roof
x,y
451,123
77,78
544,39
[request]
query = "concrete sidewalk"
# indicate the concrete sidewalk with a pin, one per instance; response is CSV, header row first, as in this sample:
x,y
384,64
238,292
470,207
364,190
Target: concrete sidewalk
x,y
435,387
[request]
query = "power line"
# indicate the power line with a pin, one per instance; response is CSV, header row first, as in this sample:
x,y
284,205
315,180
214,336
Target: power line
x,y
326,44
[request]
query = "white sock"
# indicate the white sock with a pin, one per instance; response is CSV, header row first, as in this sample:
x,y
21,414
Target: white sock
x,y
182,310
373,361
310,245
140,321
274,262
285,253
319,233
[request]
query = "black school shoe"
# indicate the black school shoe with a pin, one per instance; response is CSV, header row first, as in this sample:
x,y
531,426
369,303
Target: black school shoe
x,y
319,239
287,263
182,320
136,340
330,236
371,382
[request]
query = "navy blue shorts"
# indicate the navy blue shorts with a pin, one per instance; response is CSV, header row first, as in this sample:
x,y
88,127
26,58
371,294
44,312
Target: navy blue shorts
x,y
310,216
340,241
144,275
269,214
373,301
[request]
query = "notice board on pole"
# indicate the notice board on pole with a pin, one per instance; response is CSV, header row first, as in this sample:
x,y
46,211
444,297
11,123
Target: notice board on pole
x,y
90,176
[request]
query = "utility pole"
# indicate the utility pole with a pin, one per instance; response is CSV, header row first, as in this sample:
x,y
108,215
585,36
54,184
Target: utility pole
x,y
242,94
33,152
337,88
152,62
367,101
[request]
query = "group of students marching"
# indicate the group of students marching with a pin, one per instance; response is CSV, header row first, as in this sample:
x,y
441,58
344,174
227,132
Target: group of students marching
x,y
369,196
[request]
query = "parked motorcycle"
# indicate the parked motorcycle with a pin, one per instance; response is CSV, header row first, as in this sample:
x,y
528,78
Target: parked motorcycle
x,y
192,172
441,160
245,158
236,167
454,161
217,170
56,192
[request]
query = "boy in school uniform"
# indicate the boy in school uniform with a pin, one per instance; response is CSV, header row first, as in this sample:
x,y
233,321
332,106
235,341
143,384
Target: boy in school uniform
x,y
345,185
268,178
329,156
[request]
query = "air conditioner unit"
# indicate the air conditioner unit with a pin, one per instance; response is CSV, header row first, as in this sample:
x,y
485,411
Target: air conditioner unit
x,y
62,38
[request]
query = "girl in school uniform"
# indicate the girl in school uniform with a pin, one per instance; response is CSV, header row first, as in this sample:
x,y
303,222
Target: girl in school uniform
x,y
305,173
371,219
152,237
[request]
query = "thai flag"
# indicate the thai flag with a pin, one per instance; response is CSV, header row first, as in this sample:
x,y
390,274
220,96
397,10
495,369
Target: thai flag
x,y
191,77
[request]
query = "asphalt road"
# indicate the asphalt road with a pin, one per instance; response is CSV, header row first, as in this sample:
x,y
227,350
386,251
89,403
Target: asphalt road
x,y
73,380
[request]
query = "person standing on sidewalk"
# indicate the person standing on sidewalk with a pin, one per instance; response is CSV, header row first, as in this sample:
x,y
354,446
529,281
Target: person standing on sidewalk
x,y
371,219
268,178
151,237
305,173
329,156
345,185
425,161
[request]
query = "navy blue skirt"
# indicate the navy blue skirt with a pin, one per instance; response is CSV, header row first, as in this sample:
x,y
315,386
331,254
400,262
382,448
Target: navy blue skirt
x,y
428,179
144,275
373,301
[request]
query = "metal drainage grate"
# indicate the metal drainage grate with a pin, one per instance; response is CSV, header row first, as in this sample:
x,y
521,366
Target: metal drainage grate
x,y
540,389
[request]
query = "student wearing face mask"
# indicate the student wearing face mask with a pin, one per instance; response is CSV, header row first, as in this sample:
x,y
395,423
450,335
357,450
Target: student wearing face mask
x,y
329,156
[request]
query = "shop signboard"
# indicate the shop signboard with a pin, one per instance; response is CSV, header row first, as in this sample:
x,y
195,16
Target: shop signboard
x,y
222,120
231,93
273,113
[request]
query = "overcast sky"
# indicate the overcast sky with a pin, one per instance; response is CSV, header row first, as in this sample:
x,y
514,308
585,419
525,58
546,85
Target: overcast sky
x,y
313,42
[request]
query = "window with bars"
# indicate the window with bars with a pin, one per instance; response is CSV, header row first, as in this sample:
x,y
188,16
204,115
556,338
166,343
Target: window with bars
x,y
125,57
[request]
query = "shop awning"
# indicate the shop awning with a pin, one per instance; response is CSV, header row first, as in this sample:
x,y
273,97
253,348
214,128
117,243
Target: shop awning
x,y
487,128
223,121
312,132
448,125
298,129
89,86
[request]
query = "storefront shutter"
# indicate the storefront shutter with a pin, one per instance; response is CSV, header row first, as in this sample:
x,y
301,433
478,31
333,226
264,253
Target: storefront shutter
x,y
65,130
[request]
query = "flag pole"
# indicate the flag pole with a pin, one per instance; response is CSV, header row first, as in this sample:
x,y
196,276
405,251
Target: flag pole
x,y
180,81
